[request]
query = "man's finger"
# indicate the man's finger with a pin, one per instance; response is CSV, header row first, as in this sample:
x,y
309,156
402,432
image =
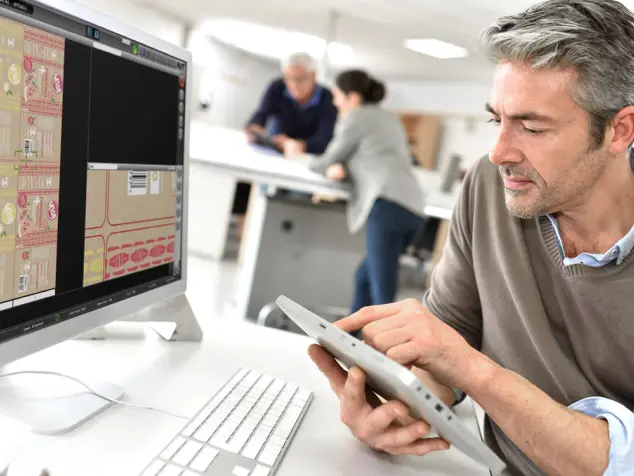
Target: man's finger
x,y
329,367
382,418
402,436
375,328
419,448
365,316
383,341
354,405
405,354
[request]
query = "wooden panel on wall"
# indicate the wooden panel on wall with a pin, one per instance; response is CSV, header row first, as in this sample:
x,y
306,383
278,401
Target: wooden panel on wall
x,y
427,140
423,132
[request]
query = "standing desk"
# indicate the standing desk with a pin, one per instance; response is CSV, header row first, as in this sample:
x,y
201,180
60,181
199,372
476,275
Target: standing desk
x,y
292,247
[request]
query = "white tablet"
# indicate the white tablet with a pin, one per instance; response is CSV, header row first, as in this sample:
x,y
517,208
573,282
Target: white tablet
x,y
392,381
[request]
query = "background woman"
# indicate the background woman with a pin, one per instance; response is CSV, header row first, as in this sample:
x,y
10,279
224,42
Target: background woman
x,y
370,149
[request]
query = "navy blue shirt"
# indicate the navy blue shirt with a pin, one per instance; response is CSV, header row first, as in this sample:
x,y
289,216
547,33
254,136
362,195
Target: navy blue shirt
x,y
313,122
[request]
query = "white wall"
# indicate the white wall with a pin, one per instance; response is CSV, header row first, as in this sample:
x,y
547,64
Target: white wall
x,y
234,79
465,130
471,139
449,98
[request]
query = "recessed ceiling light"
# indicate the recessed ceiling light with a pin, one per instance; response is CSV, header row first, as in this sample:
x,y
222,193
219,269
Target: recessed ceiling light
x,y
272,42
436,48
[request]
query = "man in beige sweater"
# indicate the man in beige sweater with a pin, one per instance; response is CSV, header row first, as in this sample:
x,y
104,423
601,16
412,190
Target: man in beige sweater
x,y
531,308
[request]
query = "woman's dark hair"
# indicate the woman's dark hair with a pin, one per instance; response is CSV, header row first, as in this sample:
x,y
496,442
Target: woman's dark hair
x,y
360,82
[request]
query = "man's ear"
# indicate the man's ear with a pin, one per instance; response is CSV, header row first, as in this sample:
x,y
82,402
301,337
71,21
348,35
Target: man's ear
x,y
622,130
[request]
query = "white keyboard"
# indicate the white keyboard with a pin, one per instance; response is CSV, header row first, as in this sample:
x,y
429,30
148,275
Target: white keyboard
x,y
244,430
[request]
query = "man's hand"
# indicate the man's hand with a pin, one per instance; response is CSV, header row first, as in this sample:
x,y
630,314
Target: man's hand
x,y
318,198
279,140
294,147
253,129
336,172
385,427
412,336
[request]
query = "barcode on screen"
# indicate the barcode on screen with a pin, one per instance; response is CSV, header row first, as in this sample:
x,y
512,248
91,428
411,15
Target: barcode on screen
x,y
23,283
28,147
137,182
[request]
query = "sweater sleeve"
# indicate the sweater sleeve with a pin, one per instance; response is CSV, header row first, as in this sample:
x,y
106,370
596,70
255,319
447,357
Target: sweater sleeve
x,y
347,136
453,294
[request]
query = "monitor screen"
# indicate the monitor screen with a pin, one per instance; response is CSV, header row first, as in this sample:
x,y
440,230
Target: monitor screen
x,y
91,167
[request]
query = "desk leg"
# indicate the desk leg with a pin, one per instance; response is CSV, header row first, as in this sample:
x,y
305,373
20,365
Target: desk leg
x,y
255,189
441,239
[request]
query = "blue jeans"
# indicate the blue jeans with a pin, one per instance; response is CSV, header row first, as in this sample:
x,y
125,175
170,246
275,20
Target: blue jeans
x,y
390,229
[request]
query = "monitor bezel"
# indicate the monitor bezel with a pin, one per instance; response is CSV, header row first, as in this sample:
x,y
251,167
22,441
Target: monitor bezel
x,y
19,347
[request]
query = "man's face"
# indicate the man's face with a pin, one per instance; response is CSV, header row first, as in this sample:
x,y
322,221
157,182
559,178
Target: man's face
x,y
300,82
543,144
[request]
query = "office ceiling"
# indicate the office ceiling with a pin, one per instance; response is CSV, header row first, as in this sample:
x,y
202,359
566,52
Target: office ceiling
x,y
374,28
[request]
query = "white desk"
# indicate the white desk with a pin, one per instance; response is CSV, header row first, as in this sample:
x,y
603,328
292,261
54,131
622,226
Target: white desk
x,y
227,151
180,378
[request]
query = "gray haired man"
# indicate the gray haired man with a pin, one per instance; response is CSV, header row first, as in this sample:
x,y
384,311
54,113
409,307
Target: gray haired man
x,y
530,310
298,111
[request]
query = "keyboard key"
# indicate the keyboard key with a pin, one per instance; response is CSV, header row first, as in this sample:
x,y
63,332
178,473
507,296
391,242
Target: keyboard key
x,y
170,470
303,395
252,450
240,471
187,453
172,448
268,458
204,459
205,432
220,443
238,441
276,441
153,469
260,471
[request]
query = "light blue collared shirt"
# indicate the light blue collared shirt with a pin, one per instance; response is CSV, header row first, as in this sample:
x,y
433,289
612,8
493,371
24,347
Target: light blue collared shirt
x,y
618,252
619,418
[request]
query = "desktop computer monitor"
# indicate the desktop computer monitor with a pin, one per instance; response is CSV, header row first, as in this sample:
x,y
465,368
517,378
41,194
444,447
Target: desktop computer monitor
x,y
94,129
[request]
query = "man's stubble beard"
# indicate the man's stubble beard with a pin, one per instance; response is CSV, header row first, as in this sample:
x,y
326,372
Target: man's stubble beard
x,y
551,198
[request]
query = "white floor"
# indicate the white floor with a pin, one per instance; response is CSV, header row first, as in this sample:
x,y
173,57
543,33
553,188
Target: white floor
x,y
212,286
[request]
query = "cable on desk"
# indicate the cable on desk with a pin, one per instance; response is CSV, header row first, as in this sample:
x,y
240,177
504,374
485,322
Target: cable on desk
x,y
93,392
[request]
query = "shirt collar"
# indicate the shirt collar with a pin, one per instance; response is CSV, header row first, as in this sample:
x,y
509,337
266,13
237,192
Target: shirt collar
x,y
618,252
314,99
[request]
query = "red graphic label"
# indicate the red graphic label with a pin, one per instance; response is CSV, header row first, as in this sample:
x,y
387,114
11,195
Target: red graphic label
x,y
22,200
119,260
25,255
58,84
139,255
157,251
28,64
52,210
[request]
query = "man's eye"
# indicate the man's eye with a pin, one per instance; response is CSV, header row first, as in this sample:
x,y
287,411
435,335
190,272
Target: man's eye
x,y
495,120
533,132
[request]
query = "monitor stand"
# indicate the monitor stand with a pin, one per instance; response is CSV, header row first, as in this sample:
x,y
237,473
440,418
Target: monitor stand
x,y
53,405
172,319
